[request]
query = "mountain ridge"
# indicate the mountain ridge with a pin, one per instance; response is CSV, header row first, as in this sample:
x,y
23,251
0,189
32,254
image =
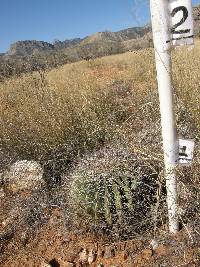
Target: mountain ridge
x,y
31,47
28,47
33,55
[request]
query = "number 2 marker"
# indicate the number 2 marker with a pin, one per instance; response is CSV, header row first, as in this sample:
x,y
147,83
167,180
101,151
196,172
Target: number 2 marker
x,y
181,21
172,25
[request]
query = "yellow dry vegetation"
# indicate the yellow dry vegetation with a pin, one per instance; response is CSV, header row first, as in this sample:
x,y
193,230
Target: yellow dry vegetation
x,y
90,103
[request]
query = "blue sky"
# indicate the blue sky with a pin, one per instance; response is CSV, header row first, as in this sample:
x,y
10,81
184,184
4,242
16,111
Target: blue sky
x,y
64,19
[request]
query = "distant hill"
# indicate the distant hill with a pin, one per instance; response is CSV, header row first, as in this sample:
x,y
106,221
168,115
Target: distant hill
x,y
30,55
135,34
25,48
25,56
32,47
67,43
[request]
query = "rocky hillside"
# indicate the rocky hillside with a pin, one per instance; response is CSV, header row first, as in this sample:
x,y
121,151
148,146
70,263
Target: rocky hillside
x,y
133,35
67,43
25,48
26,56
120,36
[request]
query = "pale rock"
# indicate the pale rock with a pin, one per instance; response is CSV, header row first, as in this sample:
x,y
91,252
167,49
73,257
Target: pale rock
x,y
154,244
24,175
2,193
83,256
69,264
91,256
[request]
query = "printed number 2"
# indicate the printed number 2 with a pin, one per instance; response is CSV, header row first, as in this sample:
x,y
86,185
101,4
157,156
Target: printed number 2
x,y
185,16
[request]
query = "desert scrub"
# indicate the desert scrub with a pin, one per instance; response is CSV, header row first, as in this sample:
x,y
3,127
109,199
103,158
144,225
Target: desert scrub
x,y
76,105
41,116
80,107
114,188
187,86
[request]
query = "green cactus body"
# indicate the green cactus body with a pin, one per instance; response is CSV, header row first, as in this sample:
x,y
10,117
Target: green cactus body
x,y
105,193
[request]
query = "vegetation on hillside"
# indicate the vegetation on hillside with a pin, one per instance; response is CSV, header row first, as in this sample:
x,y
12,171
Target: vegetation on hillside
x,y
60,117
93,128
27,56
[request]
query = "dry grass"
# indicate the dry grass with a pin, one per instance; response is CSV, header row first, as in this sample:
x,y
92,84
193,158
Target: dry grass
x,y
81,107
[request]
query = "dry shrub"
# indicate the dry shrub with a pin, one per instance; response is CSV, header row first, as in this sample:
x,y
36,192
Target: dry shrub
x,y
78,108
37,118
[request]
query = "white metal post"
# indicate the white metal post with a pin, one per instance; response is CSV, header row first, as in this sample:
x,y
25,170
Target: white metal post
x,y
161,35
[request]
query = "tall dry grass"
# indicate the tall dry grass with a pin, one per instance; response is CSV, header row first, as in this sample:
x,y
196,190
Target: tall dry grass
x,y
85,104
55,117
79,105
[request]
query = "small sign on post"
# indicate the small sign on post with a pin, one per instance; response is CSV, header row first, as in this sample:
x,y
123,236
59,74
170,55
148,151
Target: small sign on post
x,y
172,25
182,30
186,149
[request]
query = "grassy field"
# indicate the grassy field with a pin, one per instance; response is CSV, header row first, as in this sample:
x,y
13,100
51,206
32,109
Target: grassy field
x,y
86,104
60,116
83,106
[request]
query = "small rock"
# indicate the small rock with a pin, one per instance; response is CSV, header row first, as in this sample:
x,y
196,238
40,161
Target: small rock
x,y
154,244
83,256
69,264
2,193
4,224
91,256
24,175
100,265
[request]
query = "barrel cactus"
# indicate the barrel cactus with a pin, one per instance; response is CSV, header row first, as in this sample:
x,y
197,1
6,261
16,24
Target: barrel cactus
x,y
112,186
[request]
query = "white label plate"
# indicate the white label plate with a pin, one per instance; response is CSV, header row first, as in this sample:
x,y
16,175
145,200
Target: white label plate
x,y
182,29
186,149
